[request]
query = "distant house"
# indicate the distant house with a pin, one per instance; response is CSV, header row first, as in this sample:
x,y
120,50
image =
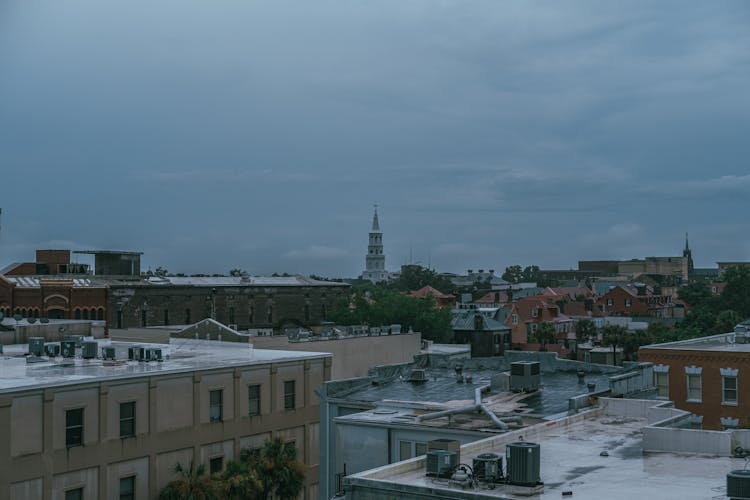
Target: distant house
x,y
442,299
492,299
528,313
637,300
487,336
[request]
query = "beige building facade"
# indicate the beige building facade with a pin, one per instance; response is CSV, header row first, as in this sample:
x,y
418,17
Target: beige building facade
x,y
101,429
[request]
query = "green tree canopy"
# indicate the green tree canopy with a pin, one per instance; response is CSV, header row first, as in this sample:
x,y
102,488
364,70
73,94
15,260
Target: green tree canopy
x,y
736,294
513,274
191,483
726,321
545,334
614,336
413,277
585,330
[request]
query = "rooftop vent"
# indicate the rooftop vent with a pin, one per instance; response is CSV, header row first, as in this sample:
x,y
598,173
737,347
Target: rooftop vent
x,y
109,353
488,468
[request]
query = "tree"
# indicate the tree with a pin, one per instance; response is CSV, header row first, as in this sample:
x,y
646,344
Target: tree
x,y
530,274
614,335
161,271
414,277
726,321
239,481
545,334
585,330
281,475
237,272
736,293
513,274
694,293
191,483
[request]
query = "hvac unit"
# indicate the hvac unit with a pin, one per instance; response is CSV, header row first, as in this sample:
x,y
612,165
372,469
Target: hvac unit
x,y
154,354
488,468
418,376
52,350
109,353
68,348
440,463
523,460
525,376
78,339
88,349
451,445
36,346
136,353
738,485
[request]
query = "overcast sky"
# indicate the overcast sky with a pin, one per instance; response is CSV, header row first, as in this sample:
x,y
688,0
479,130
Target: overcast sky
x,y
237,133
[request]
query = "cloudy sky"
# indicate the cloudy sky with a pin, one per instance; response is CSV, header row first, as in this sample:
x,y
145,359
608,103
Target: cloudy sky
x,y
234,133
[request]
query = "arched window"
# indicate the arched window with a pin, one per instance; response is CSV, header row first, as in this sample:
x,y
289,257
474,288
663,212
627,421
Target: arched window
x,y
85,314
77,314
100,314
23,313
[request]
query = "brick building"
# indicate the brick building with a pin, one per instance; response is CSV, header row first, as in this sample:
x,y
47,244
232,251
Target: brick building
x,y
528,313
637,300
707,376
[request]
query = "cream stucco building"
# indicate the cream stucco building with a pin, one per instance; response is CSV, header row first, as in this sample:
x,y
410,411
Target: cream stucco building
x,y
111,429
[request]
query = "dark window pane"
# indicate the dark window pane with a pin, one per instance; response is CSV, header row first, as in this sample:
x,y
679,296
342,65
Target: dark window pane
x,y
215,465
215,410
74,427
127,488
127,419
76,494
253,396
289,395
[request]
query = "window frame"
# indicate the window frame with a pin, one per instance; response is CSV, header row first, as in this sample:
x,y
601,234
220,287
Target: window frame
x,y
127,420
290,398
70,429
724,389
251,400
211,464
74,491
131,480
212,404
690,389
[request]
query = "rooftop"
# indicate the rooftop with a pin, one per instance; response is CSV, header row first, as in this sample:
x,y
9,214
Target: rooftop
x,y
180,355
725,342
571,461
241,281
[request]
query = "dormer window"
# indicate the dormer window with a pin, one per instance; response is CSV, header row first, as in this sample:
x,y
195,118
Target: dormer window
x,y
535,312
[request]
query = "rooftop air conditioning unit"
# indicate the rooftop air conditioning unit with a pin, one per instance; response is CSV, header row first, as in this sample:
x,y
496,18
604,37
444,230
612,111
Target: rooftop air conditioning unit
x,y
88,349
440,463
452,445
36,346
525,376
136,353
154,354
52,350
109,353
488,468
523,461
738,485
418,376
68,348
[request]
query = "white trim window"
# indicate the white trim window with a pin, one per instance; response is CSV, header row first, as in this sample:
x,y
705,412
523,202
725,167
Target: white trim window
x,y
729,386
661,380
694,388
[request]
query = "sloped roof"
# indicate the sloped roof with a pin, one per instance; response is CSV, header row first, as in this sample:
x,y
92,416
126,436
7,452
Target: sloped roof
x,y
464,320
428,290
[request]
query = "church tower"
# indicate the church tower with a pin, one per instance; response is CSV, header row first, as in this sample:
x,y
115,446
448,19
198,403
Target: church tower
x,y
688,254
375,259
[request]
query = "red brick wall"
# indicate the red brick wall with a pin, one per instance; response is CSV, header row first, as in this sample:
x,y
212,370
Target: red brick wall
x,y
711,407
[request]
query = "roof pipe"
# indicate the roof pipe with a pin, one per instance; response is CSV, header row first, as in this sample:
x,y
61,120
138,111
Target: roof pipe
x,y
477,406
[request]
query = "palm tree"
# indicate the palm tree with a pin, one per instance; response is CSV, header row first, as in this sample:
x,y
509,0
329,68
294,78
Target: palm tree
x,y
239,482
281,475
614,335
192,483
585,330
545,334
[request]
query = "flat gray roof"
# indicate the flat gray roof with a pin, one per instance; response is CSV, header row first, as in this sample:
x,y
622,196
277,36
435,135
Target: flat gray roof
x,y
180,355
571,461
724,342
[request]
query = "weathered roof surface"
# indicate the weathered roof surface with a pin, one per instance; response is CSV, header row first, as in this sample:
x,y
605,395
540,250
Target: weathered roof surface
x,y
725,342
465,320
428,290
181,355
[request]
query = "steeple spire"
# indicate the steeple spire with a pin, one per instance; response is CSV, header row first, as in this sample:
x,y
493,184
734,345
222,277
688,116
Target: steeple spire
x,y
375,222
687,247
375,258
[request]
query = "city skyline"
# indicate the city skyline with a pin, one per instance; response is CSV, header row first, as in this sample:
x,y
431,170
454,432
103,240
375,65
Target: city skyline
x,y
258,136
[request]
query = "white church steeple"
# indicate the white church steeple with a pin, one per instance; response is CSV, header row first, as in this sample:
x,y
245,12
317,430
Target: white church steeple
x,y
375,259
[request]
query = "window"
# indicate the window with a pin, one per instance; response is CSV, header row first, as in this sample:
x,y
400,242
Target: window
x,y
729,386
514,319
119,319
127,488
250,315
76,494
74,427
77,314
694,393
215,408
166,316
610,302
231,315
187,316
628,302
307,312
253,400
127,419
323,311
144,318
535,312
661,380
404,450
269,314
215,465
420,449
289,395
85,314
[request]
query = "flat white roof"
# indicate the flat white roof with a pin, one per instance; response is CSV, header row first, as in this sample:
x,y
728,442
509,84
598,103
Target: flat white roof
x,y
571,460
180,355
